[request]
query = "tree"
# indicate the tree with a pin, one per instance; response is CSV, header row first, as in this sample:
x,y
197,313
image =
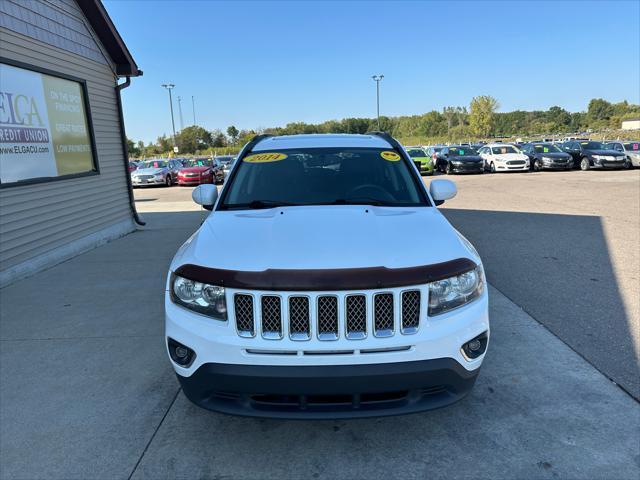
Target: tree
x,y
481,118
193,138
233,132
132,148
219,140
164,144
599,110
559,116
449,113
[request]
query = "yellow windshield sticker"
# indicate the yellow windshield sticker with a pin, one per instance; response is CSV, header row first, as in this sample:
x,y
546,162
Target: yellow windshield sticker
x,y
265,157
390,156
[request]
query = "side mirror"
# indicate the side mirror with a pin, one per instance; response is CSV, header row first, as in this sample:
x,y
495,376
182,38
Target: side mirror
x,y
442,190
206,195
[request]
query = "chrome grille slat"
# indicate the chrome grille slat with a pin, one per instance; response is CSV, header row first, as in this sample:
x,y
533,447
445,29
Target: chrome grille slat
x,y
327,317
271,317
299,325
383,314
243,305
356,316
410,311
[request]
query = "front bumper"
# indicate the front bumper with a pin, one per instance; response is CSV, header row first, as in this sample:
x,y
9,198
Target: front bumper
x,y
467,168
335,391
608,164
147,183
190,181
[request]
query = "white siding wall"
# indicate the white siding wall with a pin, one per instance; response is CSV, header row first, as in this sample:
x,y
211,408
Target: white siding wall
x,y
38,220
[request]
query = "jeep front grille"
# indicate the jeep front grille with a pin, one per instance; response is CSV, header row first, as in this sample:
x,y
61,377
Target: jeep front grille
x,y
327,316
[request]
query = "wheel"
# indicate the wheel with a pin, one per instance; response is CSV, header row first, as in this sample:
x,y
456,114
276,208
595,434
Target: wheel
x,y
492,167
627,164
584,164
447,169
536,166
167,181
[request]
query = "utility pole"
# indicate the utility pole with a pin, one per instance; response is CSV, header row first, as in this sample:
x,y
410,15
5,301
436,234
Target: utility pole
x,y
169,86
193,107
378,79
180,112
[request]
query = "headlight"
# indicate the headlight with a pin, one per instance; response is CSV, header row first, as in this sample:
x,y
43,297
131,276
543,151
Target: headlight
x,y
159,176
206,299
597,157
453,292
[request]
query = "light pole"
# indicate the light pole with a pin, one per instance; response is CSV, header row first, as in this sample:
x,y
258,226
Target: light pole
x,y
378,79
169,86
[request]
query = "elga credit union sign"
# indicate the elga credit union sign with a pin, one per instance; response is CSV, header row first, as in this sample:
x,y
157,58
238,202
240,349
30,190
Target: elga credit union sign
x,y
44,130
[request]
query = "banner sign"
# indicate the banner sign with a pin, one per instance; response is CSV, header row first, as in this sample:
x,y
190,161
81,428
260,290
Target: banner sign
x,y
43,126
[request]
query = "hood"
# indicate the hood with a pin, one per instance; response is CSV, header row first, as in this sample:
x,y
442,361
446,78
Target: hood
x,y
467,158
198,169
323,237
148,171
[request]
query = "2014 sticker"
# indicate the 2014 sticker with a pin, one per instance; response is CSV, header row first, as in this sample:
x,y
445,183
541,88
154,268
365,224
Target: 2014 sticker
x,y
265,157
390,156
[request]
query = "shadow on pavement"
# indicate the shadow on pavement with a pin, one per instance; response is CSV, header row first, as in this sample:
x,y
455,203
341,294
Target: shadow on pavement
x,y
558,269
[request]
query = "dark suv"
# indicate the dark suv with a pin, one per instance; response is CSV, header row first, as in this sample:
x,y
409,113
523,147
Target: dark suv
x,y
547,155
589,154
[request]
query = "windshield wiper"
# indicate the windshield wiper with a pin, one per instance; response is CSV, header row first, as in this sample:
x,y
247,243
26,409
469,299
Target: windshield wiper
x,y
258,204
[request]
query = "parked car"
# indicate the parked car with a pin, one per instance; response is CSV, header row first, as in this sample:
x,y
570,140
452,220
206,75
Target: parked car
x,y
156,172
200,170
132,166
227,162
460,159
589,154
547,156
324,302
630,149
503,157
421,159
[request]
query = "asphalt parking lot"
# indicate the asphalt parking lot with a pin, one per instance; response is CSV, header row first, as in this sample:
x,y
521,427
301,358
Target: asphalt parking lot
x,y
87,390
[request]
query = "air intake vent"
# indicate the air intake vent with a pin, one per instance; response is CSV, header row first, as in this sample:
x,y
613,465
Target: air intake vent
x,y
327,317
299,328
243,305
410,311
383,314
271,317
356,316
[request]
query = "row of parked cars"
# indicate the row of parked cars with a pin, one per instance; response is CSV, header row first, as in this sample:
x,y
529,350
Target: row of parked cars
x,y
180,171
502,157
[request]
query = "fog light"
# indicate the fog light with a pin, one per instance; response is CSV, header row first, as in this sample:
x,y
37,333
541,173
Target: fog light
x,y
180,354
475,347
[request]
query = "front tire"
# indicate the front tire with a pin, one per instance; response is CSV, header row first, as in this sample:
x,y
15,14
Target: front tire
x,y
492,167
536,166
628,165
447,169
584,164
167,181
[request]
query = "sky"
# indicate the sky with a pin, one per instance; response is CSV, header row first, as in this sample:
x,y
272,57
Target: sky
x,y
265,64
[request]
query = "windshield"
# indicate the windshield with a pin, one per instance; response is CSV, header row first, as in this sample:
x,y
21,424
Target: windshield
x,y
225,160
546,148
462,151
416,152
323,176
198,162
154,164
591,145
501,150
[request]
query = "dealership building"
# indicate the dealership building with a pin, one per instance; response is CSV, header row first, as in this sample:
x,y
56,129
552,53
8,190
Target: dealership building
x,y
64,181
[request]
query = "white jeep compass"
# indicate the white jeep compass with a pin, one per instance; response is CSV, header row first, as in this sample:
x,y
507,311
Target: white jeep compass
x,y
309,293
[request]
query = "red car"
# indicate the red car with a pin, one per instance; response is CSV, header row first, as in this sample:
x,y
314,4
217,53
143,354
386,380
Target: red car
x,y
200,170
